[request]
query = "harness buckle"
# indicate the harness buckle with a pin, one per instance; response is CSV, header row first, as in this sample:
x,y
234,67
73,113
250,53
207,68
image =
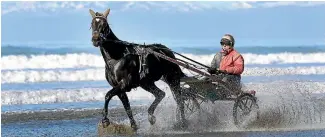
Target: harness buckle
x,y
102,36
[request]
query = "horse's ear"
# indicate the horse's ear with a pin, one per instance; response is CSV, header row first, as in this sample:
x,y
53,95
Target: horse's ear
x,y
92,13
106,13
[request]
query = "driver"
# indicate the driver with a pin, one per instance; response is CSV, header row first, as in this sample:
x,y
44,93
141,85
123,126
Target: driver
x,y
229,62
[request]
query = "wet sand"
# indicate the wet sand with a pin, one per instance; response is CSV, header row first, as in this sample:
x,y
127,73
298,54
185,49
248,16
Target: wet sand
x,y
88,128
83,123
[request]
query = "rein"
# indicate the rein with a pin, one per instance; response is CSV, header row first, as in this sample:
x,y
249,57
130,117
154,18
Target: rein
x,y
138,49
141,51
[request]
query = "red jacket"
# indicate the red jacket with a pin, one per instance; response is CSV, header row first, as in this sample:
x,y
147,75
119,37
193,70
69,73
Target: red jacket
x,y
232,63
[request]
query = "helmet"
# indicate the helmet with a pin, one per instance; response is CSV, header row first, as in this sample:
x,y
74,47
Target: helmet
x,y
227,38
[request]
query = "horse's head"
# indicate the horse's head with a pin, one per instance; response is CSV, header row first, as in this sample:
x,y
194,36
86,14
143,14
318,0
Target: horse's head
x,y
99,26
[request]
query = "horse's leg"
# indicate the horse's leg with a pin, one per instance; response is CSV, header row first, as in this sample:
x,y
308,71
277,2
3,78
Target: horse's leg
x,y
111,93
174,83
159,95
124,98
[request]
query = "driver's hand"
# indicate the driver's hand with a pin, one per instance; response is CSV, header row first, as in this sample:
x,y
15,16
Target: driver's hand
x,y
223,71
211,70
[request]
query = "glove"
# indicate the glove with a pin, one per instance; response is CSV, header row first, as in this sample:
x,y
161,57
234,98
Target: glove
x,y
222,71
211,70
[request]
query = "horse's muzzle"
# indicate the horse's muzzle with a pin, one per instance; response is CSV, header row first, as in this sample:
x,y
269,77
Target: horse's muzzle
x,y
96,43
95,39
95,35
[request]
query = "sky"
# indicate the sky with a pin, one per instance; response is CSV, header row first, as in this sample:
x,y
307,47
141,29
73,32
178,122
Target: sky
x,y
172,23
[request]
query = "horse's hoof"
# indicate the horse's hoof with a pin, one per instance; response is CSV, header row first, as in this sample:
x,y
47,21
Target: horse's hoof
x,y
181,125
184,125
152,119
134,127
105,122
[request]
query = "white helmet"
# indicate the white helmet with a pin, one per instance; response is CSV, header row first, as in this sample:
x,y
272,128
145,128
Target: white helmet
x,y
227,38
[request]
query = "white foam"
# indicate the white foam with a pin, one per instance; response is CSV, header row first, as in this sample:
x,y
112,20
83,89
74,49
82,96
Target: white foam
x,y
18,76
91,60
98,94
278,58
256,71
25,76
52,61
72,95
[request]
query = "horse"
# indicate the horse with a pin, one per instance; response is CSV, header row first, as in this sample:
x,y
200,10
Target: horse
x,y
123,67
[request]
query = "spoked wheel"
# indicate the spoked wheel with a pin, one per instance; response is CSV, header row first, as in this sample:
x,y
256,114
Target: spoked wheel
x,y
192,102
245,109
191,105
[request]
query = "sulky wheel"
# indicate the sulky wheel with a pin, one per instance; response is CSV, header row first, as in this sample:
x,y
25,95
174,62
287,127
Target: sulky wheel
x,y
245,109
191,105
192,101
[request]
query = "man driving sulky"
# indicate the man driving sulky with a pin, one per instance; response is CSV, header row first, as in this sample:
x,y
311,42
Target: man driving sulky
x,y
228,62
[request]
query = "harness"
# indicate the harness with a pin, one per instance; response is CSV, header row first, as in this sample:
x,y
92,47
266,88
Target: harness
x,y
141,52
131,48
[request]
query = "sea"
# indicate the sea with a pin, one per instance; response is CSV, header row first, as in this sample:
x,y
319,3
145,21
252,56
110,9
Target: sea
x,y
59,90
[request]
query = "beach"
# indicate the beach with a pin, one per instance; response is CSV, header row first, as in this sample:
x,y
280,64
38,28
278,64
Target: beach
x,y
65,98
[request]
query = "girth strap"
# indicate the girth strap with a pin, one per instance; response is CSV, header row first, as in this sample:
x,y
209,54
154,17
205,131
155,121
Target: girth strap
x,y
141,51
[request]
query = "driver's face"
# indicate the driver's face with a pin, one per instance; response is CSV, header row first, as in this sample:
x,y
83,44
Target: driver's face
x,y
225,47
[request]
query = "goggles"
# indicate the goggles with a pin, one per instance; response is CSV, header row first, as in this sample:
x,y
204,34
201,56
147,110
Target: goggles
x,y
225,41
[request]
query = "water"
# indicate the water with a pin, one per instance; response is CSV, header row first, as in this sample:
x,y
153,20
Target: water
x,y
63,79
87,127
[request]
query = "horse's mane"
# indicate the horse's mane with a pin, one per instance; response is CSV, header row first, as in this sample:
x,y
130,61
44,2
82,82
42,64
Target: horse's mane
x,y
133,45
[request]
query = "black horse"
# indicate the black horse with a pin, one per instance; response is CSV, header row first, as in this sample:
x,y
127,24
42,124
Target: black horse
x,y
124,65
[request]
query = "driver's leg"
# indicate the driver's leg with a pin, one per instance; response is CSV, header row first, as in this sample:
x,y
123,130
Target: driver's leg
x,y
233,81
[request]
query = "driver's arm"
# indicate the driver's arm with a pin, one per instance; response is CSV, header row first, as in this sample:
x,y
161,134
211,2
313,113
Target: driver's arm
x,y
238,67
215,63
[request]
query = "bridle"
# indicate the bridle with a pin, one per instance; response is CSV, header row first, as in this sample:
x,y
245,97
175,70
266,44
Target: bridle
x,y
103,33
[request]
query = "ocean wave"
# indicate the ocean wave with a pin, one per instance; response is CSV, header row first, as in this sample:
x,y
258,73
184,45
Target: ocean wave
x,y
51,61
98,94
70,95
80,60
46,49
26,76
278,58
190,47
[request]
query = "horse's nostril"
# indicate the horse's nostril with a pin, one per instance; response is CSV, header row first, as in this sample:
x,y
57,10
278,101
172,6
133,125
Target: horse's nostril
x,y
95,33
